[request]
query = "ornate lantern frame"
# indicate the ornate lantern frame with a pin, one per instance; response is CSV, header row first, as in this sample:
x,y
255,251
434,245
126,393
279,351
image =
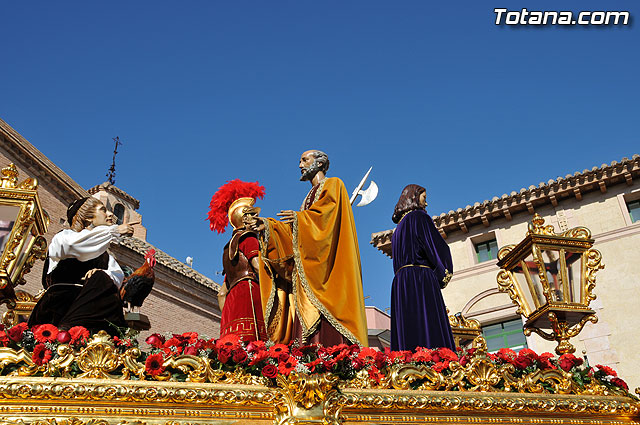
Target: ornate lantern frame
x,y
24,223
572,264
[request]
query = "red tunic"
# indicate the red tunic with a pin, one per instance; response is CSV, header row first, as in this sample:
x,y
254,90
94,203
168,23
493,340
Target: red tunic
x,y
240,315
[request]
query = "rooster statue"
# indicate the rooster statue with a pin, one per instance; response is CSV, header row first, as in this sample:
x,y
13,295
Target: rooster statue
x,y
137,286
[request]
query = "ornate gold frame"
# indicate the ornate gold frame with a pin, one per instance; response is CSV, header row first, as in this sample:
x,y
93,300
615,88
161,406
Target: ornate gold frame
x,y
20,252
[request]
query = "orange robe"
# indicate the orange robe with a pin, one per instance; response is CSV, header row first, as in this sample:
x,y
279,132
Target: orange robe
x,y
312,269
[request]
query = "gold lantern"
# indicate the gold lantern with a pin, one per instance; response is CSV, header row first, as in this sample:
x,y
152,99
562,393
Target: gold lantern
x,y
22,224
550,277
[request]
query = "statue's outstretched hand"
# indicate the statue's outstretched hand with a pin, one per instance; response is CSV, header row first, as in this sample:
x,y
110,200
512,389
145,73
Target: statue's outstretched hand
x,y
287,216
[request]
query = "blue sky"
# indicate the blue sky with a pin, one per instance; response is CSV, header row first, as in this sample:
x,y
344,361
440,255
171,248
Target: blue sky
x,y
202,92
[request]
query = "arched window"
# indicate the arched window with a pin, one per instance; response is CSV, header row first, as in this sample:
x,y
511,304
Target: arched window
x,y
118,211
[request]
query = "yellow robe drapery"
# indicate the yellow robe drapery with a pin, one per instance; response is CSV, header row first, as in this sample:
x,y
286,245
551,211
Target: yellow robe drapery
x,y
312,269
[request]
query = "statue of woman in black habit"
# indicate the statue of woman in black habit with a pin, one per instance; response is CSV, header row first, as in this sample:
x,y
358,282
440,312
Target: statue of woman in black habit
x,y
422,265
80,277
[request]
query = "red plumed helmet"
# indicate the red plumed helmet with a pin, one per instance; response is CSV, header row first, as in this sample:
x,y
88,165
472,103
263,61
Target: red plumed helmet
x,y
225,196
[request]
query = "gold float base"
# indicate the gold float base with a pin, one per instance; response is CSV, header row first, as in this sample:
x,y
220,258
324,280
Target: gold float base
x,y
57,401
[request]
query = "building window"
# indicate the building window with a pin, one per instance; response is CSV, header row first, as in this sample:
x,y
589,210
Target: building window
x,y
118,211
487,250
506,334
634,210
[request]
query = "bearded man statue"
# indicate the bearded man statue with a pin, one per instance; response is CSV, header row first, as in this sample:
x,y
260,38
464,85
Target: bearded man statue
x,y
310,273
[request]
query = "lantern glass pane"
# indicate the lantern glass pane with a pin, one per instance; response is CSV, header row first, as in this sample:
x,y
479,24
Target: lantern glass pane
x,y
574,273
553,271
529,282
8,214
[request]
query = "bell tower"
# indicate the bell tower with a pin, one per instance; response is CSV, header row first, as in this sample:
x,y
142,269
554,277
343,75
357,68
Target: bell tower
x,y
122,205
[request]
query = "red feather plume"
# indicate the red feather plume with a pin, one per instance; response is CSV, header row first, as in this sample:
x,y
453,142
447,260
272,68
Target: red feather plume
x,y
225,196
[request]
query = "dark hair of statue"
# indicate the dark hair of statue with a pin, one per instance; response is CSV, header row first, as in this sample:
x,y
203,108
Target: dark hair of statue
x,y
85,214
323,158
409,201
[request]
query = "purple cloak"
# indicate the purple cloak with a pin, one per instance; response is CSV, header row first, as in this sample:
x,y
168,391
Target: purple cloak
x,y
418,314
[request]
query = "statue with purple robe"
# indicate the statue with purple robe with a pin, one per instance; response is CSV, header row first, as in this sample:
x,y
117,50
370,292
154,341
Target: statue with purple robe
x,y
423,266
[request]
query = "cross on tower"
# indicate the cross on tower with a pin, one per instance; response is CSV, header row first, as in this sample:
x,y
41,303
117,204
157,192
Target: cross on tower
x,y
111,174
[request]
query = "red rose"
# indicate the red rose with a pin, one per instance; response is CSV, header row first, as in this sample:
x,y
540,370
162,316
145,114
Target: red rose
x,y
283,357
155,340
620,383
239,356
79,334
258,357
295,351
45,333
255,346
270,371
41,354
568,361
15,333
224,355
191,351
153,366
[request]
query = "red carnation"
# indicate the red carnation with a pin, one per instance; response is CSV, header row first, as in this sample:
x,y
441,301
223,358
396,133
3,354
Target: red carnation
x,y
440,366
270,371
447,354
545,361
620,383
368,355
45,333
507,355
285,368
15,333
153,366
423,355
41,354
568,361
295,351
79,334
239,356
606,370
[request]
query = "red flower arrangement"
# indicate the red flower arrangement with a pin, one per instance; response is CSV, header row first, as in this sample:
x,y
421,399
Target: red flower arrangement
x,y
569,361
15,333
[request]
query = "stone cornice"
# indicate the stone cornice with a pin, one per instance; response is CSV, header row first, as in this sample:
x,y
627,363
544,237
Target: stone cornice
x,y
141,247
59,182
528,199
